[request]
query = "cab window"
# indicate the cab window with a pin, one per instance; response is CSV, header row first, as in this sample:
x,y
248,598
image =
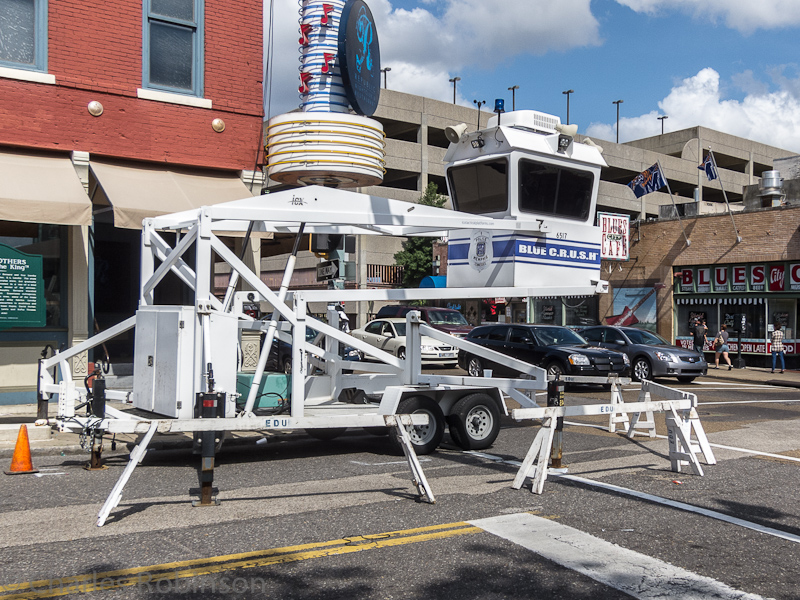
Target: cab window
x,y
480,188
552,190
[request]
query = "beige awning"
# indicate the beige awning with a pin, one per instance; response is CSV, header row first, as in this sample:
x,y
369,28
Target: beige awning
x,y
42,189
136,193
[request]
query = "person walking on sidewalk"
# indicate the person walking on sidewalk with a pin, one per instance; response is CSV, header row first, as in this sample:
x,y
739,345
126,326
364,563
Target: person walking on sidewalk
x,y
721,347
776,338
699,334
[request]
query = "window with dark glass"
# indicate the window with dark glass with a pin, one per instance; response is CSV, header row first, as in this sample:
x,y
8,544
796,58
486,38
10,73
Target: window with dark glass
x,y
173,46
520,335
23,34
552,190
480,188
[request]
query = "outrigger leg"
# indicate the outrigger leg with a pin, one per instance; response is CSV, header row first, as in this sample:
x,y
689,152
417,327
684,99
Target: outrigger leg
x,y
398,424
137,454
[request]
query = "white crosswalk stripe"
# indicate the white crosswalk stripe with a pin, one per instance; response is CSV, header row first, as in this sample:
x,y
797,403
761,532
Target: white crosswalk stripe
x,y
633,573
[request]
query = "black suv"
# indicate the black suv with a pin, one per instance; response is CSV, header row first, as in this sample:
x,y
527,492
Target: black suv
x,y
558,350
448,320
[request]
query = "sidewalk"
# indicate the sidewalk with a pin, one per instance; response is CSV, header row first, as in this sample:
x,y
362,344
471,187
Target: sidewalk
x,y
755,375
44,441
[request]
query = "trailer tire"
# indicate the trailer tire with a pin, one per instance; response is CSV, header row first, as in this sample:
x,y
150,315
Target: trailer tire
x,y
326,434
424,438
474,421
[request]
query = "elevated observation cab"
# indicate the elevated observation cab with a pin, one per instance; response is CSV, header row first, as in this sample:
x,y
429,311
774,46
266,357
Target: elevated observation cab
x,y
525,168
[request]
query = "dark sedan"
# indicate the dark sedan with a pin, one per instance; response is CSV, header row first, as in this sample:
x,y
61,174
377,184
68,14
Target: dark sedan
x,y
650,354
558,350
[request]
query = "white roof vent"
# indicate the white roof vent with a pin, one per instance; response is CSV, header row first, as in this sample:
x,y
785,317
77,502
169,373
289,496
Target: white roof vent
x,y
532,120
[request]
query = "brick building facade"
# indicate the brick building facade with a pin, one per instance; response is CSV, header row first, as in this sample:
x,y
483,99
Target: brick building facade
x,y
715,276
112,112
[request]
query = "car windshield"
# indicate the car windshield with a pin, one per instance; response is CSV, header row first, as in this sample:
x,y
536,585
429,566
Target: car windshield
x,y
553,336
446,317
640,336
400,328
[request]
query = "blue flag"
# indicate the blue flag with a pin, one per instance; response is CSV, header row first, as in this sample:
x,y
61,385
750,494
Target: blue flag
x,y
648,181
708,167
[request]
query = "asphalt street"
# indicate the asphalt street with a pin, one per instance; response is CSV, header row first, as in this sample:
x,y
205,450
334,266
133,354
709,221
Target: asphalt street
x,y
303,518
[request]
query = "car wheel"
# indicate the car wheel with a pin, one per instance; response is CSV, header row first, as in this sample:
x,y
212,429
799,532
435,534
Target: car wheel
x,y
555,369
424,438
475,367
326,434
641,370
686,379
401,353
287,366
474,421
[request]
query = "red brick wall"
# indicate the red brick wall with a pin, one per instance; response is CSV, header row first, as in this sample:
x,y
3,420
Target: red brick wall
x,y
95,53
767,235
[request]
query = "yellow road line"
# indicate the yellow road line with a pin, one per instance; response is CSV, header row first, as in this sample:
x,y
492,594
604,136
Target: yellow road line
x,y
108,580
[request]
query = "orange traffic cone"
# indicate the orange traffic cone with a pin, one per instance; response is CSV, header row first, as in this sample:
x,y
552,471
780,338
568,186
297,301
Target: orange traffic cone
x,y
21,462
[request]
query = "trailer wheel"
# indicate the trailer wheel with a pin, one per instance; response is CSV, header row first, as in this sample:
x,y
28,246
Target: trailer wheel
x,y
474,421
424,438
326,434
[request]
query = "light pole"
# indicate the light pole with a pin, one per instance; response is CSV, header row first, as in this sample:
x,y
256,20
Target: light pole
x,y
384,71
513,89
617,102
479,103
662,122
567,93
454,81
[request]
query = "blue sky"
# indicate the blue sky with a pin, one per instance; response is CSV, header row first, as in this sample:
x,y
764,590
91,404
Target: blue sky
x,y
730,65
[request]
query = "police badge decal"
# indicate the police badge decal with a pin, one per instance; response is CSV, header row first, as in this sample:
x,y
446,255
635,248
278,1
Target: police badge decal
x,y
480,250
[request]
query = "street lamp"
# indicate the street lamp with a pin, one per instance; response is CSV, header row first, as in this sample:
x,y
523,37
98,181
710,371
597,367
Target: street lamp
x,y
479,103
384,71
454,81
567,93
662,122
513,89
618,102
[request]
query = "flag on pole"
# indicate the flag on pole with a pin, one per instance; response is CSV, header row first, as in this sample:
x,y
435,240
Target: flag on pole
x,y
648,181
708,167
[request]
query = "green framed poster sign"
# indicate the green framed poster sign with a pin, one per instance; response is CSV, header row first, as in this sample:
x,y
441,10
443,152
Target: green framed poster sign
x,y
21,289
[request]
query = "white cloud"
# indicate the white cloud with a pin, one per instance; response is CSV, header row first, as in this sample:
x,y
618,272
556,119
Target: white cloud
x,y
771,118
745,15
424,49
475,32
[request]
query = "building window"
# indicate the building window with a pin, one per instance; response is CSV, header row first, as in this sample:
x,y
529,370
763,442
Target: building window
x,y
23,34
49,242
173,46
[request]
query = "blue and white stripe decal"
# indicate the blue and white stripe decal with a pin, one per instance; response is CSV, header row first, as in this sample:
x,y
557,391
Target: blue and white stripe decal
x,y
537,251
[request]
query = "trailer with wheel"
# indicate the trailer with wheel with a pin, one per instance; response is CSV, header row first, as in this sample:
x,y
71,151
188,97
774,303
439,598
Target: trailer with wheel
x,y
524,195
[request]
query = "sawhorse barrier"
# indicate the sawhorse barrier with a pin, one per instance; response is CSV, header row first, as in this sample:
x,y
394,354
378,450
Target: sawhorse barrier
x,y
681,419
